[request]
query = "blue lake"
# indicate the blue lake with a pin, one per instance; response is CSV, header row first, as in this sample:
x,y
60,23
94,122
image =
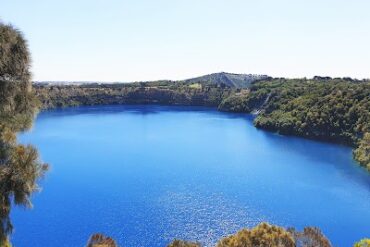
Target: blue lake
x,y
148,174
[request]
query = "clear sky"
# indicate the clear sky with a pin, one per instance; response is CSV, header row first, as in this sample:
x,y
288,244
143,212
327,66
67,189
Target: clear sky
x,y
112,40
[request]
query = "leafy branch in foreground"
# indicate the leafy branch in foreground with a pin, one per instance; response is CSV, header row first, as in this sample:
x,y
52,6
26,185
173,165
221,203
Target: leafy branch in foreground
x,y
20,167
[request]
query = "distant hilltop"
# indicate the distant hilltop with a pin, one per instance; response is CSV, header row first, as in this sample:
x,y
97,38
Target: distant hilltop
x,y
227,79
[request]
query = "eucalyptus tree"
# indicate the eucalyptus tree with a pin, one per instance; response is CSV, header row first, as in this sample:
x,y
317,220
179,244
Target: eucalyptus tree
x,y
20,167
100,240
262,235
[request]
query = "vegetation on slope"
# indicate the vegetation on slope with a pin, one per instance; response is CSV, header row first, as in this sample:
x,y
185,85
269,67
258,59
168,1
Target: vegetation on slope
x,y
19,165
362,153
236,102
228,79
263,235
208,90
335,110
161,92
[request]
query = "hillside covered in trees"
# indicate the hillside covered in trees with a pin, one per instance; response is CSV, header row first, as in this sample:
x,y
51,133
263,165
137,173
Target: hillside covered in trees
x,y
334,110
322,108
161,92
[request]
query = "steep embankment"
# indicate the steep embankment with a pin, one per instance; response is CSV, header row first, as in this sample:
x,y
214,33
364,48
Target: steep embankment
x,y
208,90
166,93
335,110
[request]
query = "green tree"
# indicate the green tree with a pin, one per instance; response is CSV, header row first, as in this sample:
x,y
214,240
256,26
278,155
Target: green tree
x,y
310,237
262,235
181,243
362,153
363,243
99,240
20,167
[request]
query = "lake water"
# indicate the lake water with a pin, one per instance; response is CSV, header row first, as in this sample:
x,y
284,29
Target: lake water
x,y
147,174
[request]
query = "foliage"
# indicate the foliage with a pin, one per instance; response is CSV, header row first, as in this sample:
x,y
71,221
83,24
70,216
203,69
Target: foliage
x,y
335,110
14,55
99,240
310,237
362,153
238,102
181,243
17,102
6,243
196,85
363,243
332,110
160,92
262,235
265,235
20,167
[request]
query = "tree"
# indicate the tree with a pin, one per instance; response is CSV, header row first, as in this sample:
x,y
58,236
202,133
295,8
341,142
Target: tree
x,y
181,243
262,235
18,103
20,167
362,153
309,237
99,240
363,243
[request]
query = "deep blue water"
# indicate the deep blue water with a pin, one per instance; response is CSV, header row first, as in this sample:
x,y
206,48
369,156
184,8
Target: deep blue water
x,y
147,174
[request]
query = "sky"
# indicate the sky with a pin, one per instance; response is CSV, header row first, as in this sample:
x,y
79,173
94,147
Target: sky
x,y
112,40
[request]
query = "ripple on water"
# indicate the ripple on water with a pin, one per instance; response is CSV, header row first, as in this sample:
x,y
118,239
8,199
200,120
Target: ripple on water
x,y
203,216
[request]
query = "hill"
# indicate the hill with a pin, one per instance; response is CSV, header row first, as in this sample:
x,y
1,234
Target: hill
x,y
228,79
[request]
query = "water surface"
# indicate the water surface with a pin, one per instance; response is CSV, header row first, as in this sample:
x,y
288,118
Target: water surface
x,y
147,174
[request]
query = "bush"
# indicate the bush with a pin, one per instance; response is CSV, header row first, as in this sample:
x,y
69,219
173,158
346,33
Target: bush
x,y
99,240
181,243
363,243
262,235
